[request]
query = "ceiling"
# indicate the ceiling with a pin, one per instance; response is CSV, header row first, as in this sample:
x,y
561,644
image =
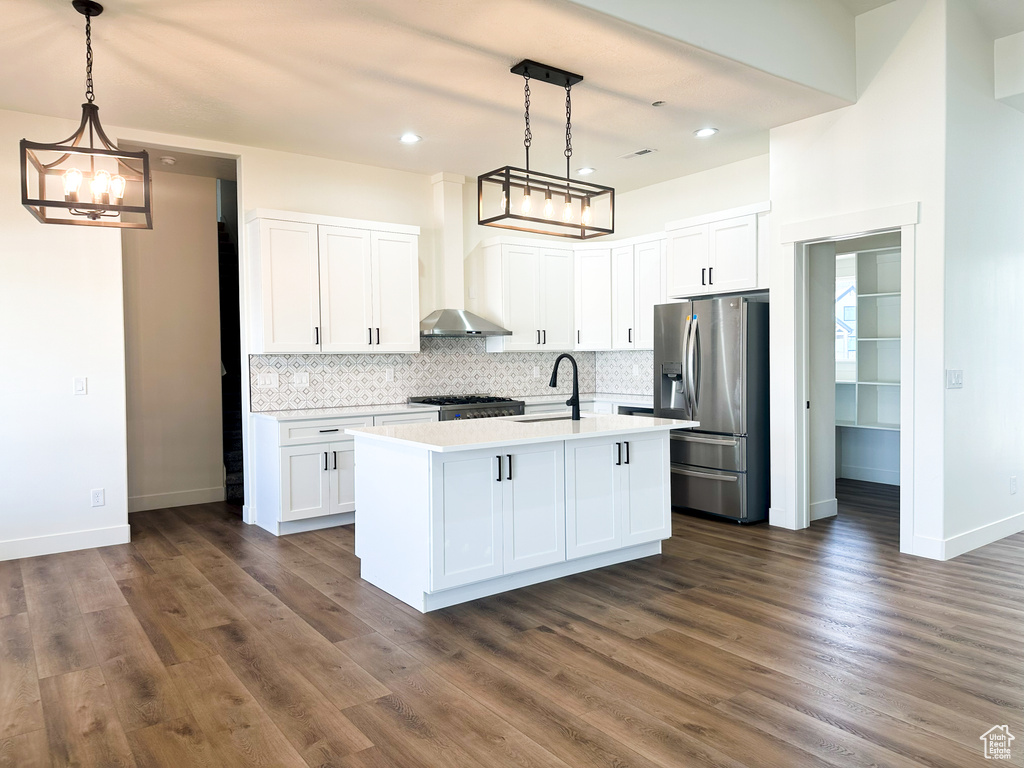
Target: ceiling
x,y
345,79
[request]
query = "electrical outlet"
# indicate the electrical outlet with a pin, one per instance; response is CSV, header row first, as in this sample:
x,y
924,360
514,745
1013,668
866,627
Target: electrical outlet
x,y
536,371
97,497
954,379
1013,484
81,385
268,380
389,374
300,379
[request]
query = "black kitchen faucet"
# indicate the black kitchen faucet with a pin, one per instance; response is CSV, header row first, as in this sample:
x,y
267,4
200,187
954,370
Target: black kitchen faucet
x,y
573,401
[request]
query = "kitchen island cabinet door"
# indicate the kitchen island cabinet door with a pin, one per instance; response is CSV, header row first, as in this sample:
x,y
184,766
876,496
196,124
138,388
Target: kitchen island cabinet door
x,y
289,284
534,507
593,497
396,293
345,307
466,518
305,482
647,510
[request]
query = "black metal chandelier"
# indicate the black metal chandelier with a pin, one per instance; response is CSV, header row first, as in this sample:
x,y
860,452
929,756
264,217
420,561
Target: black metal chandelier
x,y
94,184
529,201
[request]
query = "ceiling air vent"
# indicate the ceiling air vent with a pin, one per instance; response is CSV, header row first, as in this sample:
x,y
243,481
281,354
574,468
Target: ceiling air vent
x,y
637,153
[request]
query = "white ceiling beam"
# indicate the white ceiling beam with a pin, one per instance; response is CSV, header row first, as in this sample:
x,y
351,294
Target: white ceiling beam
x,y
811,43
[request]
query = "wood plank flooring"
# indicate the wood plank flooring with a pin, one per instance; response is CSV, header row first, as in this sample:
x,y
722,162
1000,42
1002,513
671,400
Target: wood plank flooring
x,y
206,642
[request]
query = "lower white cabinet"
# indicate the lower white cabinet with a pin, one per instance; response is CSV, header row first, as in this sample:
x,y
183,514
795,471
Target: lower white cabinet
x,y
317,480
495,514
616,493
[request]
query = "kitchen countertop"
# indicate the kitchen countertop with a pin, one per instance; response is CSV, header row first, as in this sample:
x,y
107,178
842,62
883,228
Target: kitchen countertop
x,y
349,410
641,400
451,436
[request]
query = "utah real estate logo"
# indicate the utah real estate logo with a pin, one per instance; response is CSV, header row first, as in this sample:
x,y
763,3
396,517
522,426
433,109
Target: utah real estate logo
x,y
997,742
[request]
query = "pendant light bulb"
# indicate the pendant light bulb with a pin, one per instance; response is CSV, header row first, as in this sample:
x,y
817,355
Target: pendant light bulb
x,y
567,211
72,183
549,206
117,187
504,202
527,204
100,185
586,215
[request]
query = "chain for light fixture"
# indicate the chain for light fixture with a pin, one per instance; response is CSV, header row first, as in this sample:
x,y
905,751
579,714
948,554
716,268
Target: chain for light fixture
x,y
591,201
70,182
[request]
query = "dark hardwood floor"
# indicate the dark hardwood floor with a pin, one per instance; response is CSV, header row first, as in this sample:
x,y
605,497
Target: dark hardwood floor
x,y
206,642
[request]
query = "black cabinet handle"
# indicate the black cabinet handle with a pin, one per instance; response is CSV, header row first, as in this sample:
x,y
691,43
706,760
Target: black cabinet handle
x,y
618,454
498,478
630,335
509,455
369,335
545,335
577,337
328,430
702,273
325,461
316,334
378,335
538,337
711,280
336,458
627,452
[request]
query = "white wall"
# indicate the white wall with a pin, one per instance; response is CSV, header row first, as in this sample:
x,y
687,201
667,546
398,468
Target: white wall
x,y
172,341
60,317
886,150
984,294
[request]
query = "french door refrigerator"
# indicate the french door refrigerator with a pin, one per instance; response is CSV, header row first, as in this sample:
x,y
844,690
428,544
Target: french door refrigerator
x,y
711,366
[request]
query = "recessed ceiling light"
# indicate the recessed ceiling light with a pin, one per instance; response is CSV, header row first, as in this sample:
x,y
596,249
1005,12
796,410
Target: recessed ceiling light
x,y
703,133
585,171
410,138
168,160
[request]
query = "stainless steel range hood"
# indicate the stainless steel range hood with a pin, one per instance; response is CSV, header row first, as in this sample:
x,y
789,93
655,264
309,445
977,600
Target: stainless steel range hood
x,y
459,322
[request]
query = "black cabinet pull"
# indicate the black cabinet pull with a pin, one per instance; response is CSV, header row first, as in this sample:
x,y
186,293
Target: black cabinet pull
x,y
545,335
630,335
627,452
328,430
702,273
325,461
499,468
336,458
538,337
369,335
577,337
711,280
316,334
618,454
509,455
378,335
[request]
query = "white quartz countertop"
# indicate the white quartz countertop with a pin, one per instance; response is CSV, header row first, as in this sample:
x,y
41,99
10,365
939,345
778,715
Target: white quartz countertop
x,y
641,400
301,414
451,436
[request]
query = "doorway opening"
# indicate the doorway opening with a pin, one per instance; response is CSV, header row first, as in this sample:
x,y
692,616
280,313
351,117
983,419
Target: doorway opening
x,y
182,336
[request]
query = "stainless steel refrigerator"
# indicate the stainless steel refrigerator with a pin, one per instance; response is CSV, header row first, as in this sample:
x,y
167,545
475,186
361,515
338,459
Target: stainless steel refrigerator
x,y
711,366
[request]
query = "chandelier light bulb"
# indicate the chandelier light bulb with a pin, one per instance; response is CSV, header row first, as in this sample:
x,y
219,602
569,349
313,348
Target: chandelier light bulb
x,y
100,185
549,206
586,216
527,204
117,186
72,183
504,202
567,211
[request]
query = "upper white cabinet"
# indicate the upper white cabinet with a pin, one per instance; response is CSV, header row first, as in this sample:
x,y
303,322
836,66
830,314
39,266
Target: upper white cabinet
x,y
333,285
593,298
637,285
526,288
715,254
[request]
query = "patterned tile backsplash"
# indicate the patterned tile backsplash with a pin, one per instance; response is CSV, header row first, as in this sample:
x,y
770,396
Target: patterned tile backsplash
x,y
443,367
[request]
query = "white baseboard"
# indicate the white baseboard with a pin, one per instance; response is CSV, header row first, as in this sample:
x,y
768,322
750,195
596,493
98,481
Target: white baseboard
x,y
64,542
871,474
780,518
947,549
175,499
822,509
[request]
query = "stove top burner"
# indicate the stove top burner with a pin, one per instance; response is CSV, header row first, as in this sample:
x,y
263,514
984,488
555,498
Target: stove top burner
x,y
458,400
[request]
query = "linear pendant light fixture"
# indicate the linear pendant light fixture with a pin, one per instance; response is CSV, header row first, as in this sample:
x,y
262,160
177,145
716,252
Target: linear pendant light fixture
x,y
530,201
94,184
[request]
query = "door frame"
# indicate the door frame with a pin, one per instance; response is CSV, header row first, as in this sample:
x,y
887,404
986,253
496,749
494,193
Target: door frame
x,y
796,239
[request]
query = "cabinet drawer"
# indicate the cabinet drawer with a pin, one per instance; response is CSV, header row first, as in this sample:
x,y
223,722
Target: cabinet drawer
x,y
320,430
718,451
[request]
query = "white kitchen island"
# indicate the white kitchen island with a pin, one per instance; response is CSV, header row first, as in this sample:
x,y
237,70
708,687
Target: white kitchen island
x,y
451,511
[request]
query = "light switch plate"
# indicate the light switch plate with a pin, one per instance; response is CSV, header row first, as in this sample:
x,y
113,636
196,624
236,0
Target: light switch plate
x,y
81,385
389,374
268,380
954,379
300,379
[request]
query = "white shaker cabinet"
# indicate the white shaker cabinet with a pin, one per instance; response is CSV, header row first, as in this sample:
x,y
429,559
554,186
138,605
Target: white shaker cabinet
x,y
710,255
333,285
527,288
637,286
496,513
593,298
317,480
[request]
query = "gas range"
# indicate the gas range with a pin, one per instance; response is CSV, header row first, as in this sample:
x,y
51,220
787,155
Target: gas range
x,y
457,407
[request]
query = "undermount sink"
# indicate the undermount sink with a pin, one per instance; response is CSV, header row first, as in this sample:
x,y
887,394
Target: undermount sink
x,y
561,417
